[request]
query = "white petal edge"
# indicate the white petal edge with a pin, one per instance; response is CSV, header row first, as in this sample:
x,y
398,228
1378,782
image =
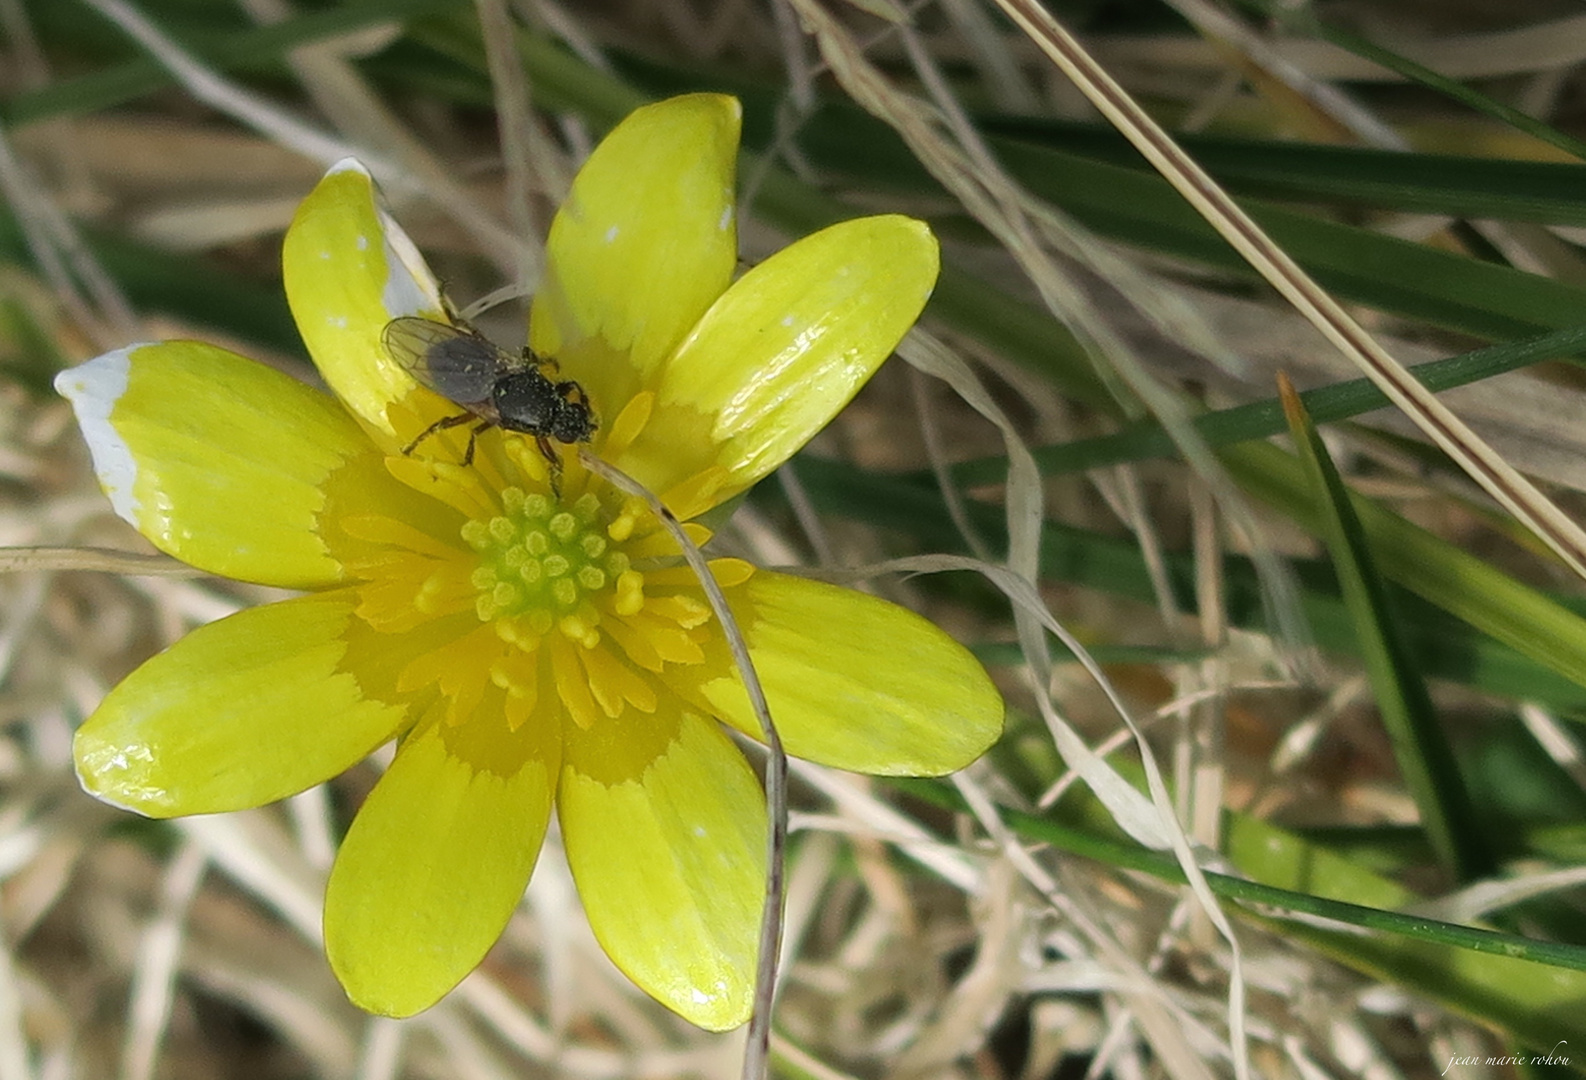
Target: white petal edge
x,y
93,388
410,288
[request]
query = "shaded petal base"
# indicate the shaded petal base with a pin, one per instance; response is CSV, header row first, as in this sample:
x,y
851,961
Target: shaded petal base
x,y
664,824
437,859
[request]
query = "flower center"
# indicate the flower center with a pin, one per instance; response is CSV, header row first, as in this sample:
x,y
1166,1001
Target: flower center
x,y
581,597
540,558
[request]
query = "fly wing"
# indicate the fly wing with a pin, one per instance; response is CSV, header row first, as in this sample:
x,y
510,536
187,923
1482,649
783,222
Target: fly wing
x,y
457,364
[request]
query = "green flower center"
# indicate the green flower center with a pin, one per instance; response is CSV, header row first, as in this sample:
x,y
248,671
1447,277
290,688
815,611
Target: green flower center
x,y
539,558
584,590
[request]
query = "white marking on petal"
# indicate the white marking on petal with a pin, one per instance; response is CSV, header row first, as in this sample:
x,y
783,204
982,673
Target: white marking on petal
x,y
725,221
337,321
410,288
611,234
787,320
93,389
363,242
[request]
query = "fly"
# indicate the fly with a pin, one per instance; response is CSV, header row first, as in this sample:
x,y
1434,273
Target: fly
x,y
496,388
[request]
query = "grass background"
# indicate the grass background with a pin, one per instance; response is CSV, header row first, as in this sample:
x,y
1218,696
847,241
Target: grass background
x,y
1360,681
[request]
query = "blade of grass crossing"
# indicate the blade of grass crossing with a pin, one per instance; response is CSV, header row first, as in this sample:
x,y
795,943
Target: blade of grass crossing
x,y
1531,989
1456,581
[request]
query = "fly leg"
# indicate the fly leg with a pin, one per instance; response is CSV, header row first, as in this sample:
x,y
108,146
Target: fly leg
x,y
554,460
473,437
441,425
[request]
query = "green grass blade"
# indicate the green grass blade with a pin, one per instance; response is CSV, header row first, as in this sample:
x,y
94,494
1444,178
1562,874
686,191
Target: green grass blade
x,y
1425,76
1392,275
1455,581
1446,184
252,49
1425,758
1138,207
1261,419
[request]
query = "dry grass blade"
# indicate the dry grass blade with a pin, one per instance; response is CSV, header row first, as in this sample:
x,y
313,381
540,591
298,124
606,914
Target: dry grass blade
x,y
1495,475
98,306
154,979
222,94
20,559
1148,819
409,166
340,90
1338,108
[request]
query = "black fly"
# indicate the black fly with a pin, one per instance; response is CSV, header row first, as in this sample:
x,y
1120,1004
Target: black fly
x,y
496,388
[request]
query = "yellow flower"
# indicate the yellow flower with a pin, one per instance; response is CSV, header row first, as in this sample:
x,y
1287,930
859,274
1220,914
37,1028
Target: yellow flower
x,y
529,645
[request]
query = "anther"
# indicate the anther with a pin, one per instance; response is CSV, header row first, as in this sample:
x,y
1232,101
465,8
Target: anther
x,y
630,593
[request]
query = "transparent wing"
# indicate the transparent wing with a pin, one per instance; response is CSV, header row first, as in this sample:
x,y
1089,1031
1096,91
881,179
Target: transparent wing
x,y
456,363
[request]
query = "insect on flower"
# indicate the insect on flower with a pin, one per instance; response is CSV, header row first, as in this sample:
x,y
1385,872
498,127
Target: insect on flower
x,y
496,388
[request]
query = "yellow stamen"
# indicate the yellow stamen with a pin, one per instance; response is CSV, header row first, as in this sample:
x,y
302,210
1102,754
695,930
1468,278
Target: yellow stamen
x,y
628,424
694,496
613,683
630,593
572,685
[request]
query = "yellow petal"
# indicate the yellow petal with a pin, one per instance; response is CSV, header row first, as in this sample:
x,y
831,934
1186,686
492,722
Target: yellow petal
x,y
664,824
644,244
239,713
783,350
218,460
437,858
855,682
350,270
